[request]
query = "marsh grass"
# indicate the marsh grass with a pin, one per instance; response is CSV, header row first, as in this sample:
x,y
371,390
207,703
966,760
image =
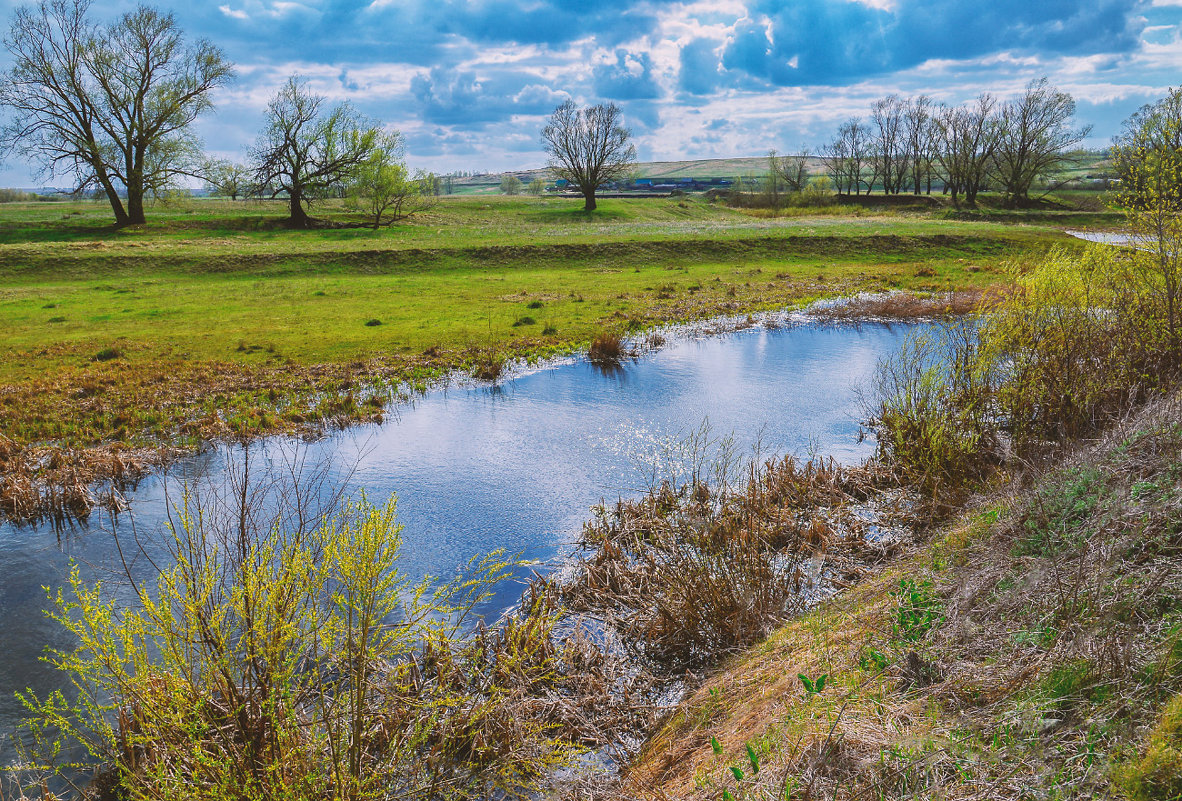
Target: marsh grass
x,y
607,348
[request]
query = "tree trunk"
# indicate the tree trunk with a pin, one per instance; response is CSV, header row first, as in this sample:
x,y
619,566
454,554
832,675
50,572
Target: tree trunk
x,y
121,218
589,201
299,218
135,206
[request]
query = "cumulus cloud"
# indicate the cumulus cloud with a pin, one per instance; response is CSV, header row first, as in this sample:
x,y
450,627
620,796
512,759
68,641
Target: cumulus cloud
x,y
471,81
629,77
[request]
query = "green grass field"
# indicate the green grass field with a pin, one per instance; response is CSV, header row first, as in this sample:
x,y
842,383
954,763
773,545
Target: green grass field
x,y
213,319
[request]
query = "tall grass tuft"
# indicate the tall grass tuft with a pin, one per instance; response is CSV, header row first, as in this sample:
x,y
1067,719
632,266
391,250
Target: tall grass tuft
x,y
607,348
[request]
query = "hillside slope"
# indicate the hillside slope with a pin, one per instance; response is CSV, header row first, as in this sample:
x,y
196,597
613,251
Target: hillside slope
x,y
1033,649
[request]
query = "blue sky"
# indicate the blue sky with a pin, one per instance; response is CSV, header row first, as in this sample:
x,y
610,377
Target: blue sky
x,y
469,82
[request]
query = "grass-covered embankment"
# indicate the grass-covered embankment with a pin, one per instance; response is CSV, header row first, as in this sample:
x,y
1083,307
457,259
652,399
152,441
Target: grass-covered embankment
x,y
1030,649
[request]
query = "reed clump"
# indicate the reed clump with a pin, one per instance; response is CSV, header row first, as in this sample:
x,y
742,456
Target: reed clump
x,y
607,348
908,306
687,574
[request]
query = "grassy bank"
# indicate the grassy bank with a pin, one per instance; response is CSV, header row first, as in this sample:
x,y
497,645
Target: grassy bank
x,y
213,320
1030,649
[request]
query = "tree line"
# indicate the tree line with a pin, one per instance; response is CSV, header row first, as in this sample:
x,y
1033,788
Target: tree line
x,y
909,144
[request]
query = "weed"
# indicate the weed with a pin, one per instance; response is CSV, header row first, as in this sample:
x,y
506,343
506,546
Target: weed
x,y
520,321
813,686
373,322
549,330
534,304
1056,516
57,319
107,354
873,661
919,610
488,365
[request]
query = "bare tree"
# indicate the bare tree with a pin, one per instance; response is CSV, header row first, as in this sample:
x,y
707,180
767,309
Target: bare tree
x,y
110,106
919,135
890,144
1034,138
791,171
967,141
588,147
846,156
305,152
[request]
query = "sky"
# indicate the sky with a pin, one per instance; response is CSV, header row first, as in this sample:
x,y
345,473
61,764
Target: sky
x,y
469,83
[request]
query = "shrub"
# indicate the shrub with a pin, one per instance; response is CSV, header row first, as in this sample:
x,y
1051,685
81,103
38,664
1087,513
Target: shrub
x,y
1061,356
298,661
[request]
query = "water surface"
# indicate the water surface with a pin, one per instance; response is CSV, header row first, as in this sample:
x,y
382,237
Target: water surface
x,y
515,466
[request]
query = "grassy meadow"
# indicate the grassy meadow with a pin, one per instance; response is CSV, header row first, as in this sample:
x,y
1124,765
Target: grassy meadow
x,y
215,320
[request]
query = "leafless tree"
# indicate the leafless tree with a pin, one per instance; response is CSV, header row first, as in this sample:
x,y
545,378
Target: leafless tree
x,y
305,152
846,156
1033,139
890,143
588,147
792,171
967,140
919,134
112,106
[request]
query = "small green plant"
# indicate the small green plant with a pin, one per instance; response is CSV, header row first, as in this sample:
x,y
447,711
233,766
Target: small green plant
x,y
715,745
873,660
919,610
520,321
753,757
534,304
57,319
812,686
549,330
373,322
106,355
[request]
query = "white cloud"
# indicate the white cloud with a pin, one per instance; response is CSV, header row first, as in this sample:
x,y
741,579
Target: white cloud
x,y
233,13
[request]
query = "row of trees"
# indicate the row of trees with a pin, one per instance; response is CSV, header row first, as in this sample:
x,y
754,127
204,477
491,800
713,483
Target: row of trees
x,y
907,144
113,106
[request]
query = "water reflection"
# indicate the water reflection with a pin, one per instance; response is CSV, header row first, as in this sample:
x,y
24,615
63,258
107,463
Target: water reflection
x,y
516,466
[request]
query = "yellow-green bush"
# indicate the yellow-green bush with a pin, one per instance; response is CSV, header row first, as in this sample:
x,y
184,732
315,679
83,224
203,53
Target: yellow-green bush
x,y
297,661
1157,776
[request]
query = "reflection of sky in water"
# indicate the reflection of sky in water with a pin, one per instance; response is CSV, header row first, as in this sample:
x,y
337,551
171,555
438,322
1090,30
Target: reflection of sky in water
x,y
516,467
